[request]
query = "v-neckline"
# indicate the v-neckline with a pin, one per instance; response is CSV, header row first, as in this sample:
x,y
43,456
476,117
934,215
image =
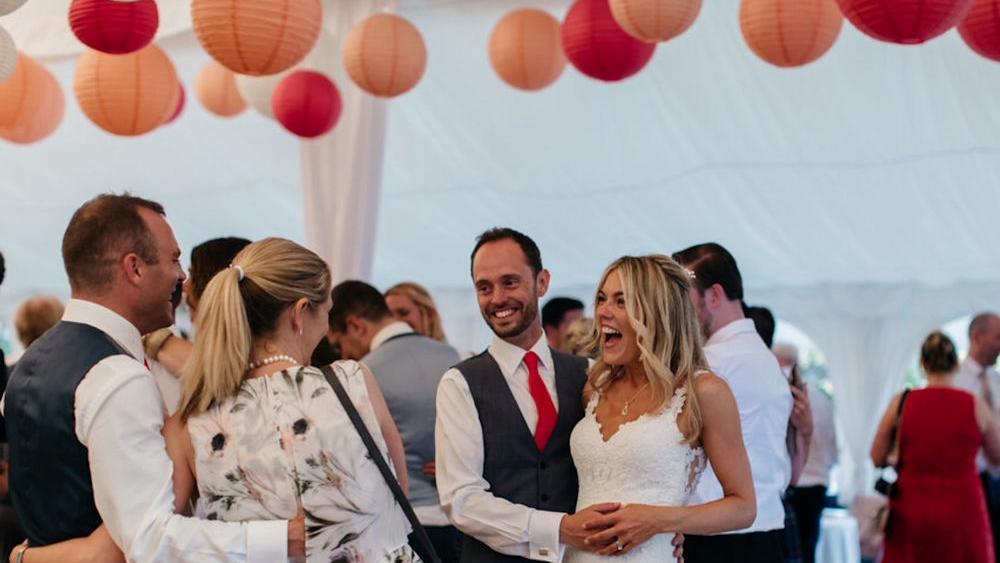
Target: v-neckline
x,y
624,423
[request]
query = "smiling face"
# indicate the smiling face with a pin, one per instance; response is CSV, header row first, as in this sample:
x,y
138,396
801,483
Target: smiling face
x,y
619,342
508,291
404,309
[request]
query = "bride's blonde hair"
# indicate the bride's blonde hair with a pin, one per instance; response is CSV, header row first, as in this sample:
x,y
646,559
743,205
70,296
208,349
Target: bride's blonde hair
x,y
655,289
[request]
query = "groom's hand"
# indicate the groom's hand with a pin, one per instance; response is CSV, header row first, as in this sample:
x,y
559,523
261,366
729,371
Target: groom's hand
x,y
571,528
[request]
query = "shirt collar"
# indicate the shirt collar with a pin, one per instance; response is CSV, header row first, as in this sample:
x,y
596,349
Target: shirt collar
x,y
730,330
510,356
107,321
388,331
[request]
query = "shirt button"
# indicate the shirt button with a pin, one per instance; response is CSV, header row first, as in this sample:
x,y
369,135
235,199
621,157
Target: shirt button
x,y
543,551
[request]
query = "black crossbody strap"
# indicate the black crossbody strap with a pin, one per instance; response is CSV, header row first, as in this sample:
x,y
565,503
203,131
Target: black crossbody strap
x,y
383,467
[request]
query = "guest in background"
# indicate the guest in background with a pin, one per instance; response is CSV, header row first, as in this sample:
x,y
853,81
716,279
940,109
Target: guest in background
x,y
408,367
411,303
11,533
578,339
763,321
557,314
978,375
809,492
34,317
937,511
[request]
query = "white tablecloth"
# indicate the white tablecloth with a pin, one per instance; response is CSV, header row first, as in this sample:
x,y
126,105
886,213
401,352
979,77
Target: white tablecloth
x,y
838,538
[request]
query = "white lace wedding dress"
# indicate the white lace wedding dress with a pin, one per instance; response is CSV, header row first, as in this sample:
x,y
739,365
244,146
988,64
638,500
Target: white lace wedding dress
x,y
644,462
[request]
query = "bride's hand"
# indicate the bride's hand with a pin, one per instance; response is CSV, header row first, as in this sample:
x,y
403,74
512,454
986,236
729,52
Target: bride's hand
x,y
626,528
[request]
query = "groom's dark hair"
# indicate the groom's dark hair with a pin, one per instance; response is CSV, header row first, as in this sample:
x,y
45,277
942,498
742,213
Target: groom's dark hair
x,y
528,246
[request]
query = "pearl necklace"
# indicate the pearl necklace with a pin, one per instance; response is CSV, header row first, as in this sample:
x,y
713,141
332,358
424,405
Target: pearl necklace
x,y
272,360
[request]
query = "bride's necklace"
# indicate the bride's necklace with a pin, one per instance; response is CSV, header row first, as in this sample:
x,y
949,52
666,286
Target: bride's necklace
x,y
632,400
271,360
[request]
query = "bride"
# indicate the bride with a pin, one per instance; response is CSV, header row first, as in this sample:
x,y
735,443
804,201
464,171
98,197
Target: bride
x,y
654,413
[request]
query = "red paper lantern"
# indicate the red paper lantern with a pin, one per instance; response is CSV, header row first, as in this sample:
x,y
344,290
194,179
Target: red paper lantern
x,y
907,22
181,100
307,103
112,26
981,28
790,33
598,47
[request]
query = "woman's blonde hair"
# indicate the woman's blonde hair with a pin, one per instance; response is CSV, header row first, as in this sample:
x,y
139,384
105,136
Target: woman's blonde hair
x,y
425,305
668,335
241,303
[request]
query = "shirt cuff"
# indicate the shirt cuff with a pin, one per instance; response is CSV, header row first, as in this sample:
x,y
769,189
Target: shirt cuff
x,y
267,541
543,536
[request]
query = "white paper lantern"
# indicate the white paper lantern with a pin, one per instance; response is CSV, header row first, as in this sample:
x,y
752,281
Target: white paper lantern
x,y
8,55
8,6
257,90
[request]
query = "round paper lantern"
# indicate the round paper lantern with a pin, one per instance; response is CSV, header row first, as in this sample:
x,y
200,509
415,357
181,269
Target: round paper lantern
x,y
115,27
385,55
307,103
8,55
216,89
981,28
8,6
260,37
257,90
598,47
790,33
31,103
655,20
906,22
127,94
181,101
526,49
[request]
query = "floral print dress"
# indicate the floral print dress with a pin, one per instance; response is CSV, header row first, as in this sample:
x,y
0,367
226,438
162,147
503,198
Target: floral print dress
x,y
285,443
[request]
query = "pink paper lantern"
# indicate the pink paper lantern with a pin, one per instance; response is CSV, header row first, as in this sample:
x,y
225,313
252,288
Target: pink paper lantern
x,y
598,47
981,28
907,22
790,33
306,103
114,27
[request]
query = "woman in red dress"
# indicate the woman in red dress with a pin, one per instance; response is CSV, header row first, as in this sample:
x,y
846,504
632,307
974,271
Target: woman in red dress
x,y
938,511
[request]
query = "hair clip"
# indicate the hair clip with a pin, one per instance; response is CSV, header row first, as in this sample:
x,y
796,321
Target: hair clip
x,y
690,273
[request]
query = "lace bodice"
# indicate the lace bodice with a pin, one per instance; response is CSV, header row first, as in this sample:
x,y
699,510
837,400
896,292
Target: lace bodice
x,y
645,461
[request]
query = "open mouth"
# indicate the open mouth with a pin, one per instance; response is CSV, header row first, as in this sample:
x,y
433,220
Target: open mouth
x,y
504,313
611,336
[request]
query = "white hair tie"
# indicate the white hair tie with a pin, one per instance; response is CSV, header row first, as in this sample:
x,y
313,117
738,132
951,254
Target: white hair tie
x,y
239,269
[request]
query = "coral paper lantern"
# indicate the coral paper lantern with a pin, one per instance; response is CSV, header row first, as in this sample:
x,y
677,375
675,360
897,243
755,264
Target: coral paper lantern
x,y
8,55
385,55
655,20
906,22
790,33
112,26
526,49
598,47
260,37
181,102
8,6
981,28
127,94
32,103
307,103
216,89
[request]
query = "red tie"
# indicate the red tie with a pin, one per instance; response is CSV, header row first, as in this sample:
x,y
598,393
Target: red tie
x,y
543,402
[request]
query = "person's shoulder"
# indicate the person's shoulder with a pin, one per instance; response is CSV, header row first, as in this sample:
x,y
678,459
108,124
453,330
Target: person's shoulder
x,y
708,385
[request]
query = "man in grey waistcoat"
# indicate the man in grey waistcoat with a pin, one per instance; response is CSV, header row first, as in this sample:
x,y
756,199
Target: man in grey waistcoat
x,y
408,367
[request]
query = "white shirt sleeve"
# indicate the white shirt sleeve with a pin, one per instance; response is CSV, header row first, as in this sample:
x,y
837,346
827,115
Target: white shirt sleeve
x,y
119,419
506,527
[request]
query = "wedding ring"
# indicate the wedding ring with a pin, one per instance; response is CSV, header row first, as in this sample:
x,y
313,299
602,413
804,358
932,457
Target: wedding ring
x,y
618,544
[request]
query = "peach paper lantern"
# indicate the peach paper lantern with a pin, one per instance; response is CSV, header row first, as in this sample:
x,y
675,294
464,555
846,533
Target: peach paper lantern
x,y
385,55
260,37
655,20
216,89
981,28
127,94
790,33
31,103
526,49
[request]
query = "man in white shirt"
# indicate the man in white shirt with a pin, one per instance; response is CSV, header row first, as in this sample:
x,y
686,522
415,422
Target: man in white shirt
x,y
88,447
737,354
978,375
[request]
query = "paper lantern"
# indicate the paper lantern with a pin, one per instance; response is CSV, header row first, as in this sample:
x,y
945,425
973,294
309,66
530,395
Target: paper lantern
x,y
526,49
307,103
789,33
8,55
115,27
181,101
31,103
385,55
655,20
906,22
127,94
216,89
598,47
8,6
257,91
981,28
260,37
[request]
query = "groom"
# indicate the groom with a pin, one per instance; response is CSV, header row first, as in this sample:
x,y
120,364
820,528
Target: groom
x,y
504,470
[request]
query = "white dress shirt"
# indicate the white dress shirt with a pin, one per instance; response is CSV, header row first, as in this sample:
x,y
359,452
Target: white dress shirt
x,y
823,445
119,418
967,378
738,355
506,527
